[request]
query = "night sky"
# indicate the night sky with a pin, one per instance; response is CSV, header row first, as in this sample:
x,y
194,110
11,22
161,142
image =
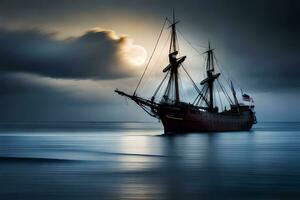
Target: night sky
x,y
61,60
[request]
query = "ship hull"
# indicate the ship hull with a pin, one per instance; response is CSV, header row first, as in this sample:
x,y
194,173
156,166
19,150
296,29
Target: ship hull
x,y
182,120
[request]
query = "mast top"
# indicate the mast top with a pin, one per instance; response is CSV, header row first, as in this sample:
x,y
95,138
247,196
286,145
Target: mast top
x,y
173,43
210,59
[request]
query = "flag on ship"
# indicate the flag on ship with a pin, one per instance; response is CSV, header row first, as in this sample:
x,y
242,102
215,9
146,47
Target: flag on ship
x,y
246,97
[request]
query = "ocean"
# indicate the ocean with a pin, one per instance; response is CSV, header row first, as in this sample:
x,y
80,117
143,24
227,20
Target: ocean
x,y
118,160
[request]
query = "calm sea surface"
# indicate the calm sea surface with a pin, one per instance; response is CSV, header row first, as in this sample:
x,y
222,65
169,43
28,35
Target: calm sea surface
x,y
134,161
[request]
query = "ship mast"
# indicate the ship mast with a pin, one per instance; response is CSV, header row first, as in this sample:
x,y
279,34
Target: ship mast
x,y
211,77
173,43
174,64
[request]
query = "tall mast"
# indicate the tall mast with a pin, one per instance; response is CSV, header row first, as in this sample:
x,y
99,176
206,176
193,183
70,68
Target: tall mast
x,y
210,69
175,70
174,63
210,76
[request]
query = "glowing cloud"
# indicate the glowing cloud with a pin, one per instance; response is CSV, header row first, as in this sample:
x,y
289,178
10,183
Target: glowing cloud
x,y
96,54
135,54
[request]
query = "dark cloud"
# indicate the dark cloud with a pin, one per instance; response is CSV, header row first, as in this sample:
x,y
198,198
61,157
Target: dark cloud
x,y
29,97
53,90
43,78
257,41
95,55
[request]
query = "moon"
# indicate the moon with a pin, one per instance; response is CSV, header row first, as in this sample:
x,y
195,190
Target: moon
x,y
136,55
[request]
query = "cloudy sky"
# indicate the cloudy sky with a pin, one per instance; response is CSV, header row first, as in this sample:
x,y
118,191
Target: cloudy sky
x,y
61,60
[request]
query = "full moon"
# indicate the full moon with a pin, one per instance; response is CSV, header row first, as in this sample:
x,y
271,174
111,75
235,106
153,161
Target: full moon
x,y
136,55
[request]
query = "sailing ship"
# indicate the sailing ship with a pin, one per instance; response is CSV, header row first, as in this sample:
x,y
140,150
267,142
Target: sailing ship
x,y
202,115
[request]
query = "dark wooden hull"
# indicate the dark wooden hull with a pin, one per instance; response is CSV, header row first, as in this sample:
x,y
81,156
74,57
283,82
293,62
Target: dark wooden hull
x,y
183,120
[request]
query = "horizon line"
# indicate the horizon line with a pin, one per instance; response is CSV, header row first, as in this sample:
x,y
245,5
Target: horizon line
x,y
114,121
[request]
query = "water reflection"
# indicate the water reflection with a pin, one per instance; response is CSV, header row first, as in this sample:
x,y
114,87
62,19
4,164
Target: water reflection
x,y
138,163
141,153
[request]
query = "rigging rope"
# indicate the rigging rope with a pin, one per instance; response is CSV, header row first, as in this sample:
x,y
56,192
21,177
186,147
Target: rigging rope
x,y
189,43
156,62
161,31
159,86
199,102
229,77
220,98
199,95
224,91
194,84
